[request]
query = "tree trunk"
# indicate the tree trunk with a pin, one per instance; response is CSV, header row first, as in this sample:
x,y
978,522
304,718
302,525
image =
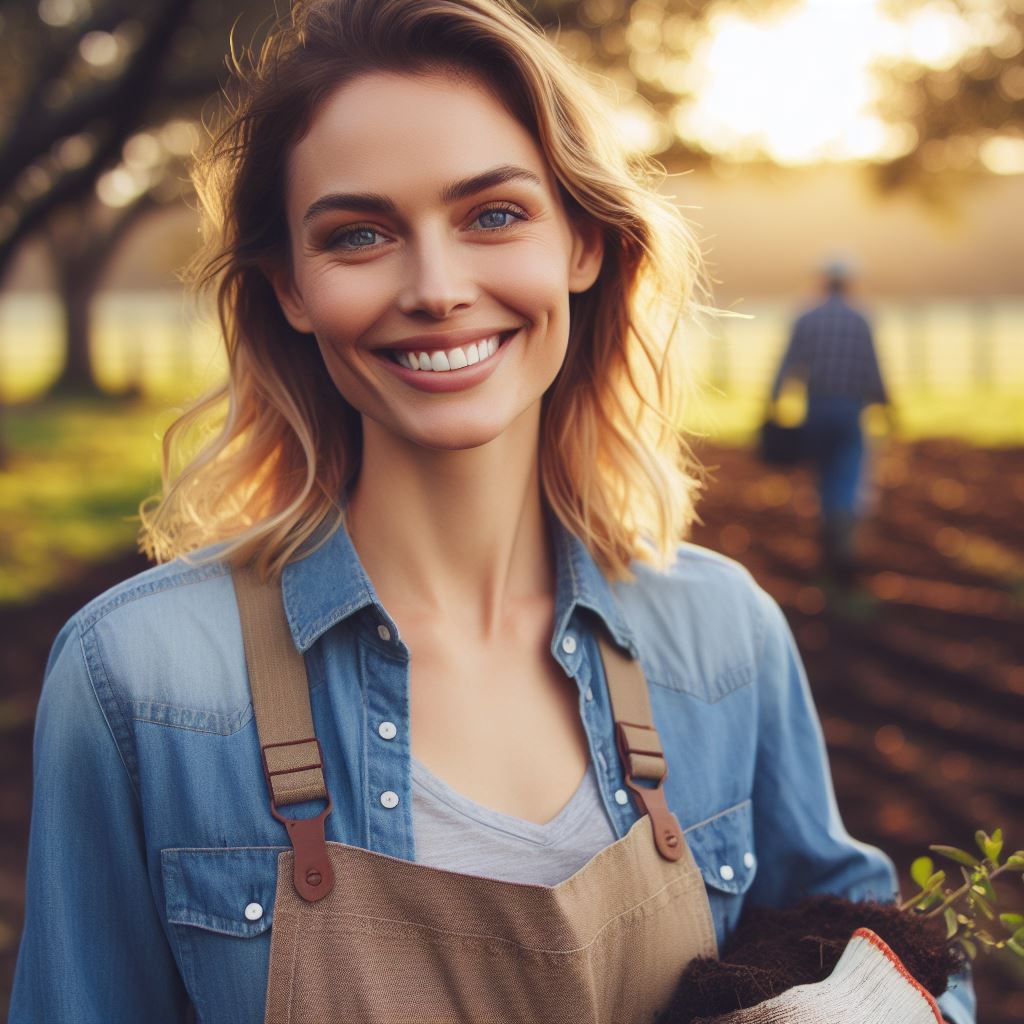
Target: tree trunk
x,y
78,377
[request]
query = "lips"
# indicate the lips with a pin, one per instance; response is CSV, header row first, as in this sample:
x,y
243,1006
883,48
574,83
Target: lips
x,y
434,372
448,359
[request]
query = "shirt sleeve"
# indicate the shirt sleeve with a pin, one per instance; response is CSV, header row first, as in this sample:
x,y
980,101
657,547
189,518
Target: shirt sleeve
x,y
93,950
803,846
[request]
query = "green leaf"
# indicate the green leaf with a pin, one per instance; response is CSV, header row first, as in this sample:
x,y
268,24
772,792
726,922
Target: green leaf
x,y
921,870
981,837
955,854
1012,920
1015,862
934,881
983,905
1015,946
952,926
1018,935
987,889
994,846
972,950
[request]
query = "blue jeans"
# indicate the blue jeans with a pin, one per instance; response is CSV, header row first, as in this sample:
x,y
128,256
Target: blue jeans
x,y
836,447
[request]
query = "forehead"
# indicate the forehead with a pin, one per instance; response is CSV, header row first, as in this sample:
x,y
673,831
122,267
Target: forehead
x,y
405,135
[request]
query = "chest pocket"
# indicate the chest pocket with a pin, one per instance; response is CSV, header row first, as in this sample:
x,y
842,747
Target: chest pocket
x,y
220,907
723,847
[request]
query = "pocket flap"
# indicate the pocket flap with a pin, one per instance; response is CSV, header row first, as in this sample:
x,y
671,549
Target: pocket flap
x,y
222,889
723,847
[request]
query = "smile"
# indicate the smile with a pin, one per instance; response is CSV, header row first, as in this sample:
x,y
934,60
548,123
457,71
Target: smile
x,y
446,360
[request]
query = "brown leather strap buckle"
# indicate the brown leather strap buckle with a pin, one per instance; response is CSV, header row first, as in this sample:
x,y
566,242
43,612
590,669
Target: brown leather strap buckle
x,y
313,874
642,756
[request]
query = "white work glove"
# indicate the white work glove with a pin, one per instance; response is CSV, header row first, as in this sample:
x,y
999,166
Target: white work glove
x,y
869,985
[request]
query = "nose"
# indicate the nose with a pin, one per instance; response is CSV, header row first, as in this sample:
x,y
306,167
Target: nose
x,y
437,278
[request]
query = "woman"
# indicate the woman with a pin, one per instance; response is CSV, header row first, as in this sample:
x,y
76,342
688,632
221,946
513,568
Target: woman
x,y
464,559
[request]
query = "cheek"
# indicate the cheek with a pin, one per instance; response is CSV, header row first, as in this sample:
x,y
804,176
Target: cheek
x,y
534,282
343,305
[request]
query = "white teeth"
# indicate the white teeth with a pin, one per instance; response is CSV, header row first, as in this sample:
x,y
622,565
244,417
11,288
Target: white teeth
x,y
450,359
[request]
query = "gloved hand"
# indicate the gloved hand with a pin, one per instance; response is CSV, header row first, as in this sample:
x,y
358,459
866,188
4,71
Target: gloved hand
x,y
869,985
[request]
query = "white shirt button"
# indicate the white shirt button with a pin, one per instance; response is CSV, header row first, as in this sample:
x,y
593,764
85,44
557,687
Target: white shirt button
x,y
253,912
748,859
621,796
387,730
383,632
726,872
569,644
389,798
589,695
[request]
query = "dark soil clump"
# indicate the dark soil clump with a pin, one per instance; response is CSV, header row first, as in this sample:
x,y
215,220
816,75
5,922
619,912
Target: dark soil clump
x,y
775,950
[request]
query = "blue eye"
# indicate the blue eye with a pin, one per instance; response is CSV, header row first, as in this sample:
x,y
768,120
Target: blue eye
x,y
503,210
496,211
354,232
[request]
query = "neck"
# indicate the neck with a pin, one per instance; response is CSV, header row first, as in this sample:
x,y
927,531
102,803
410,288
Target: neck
x,y
456,536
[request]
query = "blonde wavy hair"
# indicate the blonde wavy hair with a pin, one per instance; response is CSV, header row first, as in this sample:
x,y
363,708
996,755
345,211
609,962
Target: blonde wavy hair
x,y
274,466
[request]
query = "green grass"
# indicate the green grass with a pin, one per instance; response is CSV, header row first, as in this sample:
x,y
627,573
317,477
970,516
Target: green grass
x,y
75,474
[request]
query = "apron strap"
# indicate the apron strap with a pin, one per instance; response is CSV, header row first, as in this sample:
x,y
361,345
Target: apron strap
x,y
291,753
639,745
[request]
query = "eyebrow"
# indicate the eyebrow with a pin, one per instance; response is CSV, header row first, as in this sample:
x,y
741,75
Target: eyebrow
x,y
374,202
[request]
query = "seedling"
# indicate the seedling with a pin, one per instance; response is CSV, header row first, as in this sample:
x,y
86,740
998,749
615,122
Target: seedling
x,y
969,909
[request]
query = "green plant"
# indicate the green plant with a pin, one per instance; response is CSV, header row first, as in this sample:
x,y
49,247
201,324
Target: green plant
x,y
969,910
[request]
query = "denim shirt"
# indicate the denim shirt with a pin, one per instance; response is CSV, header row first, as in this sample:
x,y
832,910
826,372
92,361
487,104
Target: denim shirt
x,y
153,852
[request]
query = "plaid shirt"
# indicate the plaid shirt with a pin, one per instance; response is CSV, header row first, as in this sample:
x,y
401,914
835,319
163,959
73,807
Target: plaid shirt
x,y
832,349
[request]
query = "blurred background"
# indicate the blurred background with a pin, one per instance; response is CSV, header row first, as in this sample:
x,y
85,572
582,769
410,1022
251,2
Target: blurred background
x,y
887,132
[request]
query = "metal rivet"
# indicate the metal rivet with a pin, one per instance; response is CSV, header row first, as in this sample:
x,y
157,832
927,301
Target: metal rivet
x,y
726,872
621,796
313,878
387,730
383,632
589,695
389,798
748,859
569,644
253,912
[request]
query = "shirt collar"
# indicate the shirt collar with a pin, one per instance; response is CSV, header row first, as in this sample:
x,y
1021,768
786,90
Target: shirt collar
x,y
329,585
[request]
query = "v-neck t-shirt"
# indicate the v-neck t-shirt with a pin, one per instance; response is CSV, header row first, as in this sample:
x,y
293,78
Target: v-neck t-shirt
x,y
457,834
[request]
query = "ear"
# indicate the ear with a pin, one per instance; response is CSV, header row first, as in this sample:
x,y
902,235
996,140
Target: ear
x,y
587,252
289,299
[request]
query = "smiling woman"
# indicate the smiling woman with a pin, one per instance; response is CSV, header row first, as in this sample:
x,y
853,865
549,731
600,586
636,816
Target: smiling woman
x,y
377,743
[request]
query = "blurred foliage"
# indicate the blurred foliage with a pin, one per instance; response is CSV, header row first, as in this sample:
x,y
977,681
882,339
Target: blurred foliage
x,y
969,113
70,491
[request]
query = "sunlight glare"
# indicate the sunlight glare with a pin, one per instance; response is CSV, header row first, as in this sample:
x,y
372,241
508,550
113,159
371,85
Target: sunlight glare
x,y
797,86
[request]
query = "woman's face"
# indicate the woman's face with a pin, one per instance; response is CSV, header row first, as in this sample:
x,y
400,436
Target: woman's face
x,y
425,227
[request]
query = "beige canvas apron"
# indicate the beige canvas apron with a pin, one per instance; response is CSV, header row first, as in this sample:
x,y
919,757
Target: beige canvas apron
x,y
359,937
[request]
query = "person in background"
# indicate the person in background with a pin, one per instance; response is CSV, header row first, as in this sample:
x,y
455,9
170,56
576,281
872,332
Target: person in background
x,y
832,350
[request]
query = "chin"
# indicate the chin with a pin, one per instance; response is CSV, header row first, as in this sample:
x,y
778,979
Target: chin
x,y
462,435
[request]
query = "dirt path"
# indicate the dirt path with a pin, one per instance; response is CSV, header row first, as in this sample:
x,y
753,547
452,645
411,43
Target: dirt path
x,y
920,682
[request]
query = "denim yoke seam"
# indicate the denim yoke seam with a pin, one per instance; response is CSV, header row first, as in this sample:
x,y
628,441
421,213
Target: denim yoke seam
x,y
110,708
724,684
139,590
